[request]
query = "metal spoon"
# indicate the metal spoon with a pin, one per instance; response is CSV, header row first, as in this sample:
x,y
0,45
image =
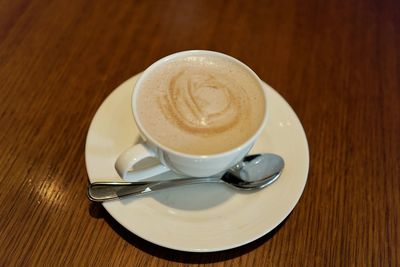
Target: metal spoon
x,y
254,172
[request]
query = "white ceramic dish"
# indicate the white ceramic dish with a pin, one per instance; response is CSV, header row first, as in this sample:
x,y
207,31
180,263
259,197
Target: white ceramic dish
x,y
207,217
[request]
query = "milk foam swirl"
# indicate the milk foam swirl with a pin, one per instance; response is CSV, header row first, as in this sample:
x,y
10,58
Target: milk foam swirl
x,y
201,103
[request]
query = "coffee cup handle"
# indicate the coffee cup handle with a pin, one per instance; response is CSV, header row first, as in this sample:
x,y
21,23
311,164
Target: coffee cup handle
x,y
133,155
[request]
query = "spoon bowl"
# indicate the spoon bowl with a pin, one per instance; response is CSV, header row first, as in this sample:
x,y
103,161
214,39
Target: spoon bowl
x,y
254,172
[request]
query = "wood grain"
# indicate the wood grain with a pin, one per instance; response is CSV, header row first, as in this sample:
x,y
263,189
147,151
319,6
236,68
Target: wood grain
x,y
336,62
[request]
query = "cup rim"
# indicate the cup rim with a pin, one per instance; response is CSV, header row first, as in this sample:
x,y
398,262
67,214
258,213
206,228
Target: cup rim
x,y
184,54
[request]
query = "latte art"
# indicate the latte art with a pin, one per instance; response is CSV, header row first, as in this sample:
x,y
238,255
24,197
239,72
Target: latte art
x,y
200,103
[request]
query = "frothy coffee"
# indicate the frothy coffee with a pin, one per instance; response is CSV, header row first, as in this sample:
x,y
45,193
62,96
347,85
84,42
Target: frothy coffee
x,y
201,104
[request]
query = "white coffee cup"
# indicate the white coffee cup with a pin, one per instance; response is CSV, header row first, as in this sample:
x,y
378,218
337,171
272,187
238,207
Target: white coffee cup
x,y
176,161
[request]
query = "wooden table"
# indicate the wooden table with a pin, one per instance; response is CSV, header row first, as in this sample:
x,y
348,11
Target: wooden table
x,y
336,62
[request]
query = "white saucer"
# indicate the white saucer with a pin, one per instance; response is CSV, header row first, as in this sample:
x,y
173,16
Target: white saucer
x,y
200,218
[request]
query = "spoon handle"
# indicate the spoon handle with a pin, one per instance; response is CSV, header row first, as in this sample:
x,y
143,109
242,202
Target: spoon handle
x,y
102,191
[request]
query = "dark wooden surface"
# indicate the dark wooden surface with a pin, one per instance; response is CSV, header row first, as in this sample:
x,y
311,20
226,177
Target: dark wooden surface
x,y
336,62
